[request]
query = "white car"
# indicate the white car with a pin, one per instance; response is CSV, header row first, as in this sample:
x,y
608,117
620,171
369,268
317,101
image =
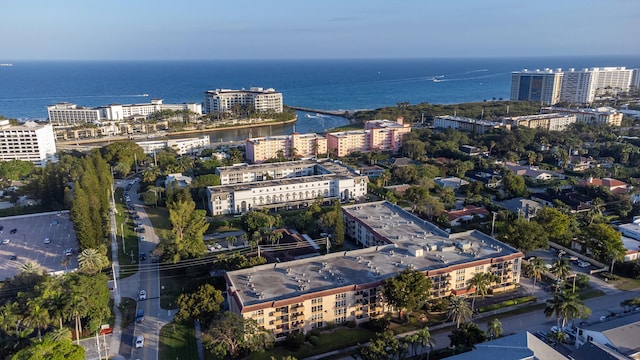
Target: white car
x,y
139,342
142,295
47,240
583,264
6,241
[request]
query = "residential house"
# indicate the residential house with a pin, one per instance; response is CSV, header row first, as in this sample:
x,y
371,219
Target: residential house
x,y
467,214
520,346
620,333
613,185
451,181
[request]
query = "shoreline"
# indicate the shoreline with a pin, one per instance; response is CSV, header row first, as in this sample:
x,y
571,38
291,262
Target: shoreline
x,y
171,134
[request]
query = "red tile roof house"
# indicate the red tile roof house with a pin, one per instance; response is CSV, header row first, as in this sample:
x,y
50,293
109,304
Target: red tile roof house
x,y
457,217
613,185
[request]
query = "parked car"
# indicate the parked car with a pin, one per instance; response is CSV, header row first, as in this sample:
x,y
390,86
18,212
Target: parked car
x,y
139,342
6,241
47,240
13,231
140,315
13,257
68,252
143,256
142,295
1,228
583,264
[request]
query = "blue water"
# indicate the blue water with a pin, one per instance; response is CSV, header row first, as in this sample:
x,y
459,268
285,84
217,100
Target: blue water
x,y
27,88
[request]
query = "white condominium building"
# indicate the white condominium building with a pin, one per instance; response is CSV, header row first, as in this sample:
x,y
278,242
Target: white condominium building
x,y
72,114
295,145
287,184
305,294
28,142
181,146
541,86
583,86
465,124
602,115
262,100
550,122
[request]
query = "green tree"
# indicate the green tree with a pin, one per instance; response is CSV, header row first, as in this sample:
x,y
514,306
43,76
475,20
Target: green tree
x,y
202,305
202,181
425,339
51,350
605,243
523,234
561,268
231,335
38,315
15,169
482,283
91,261
535,269
466,336
459,310
555,223
384,346
514,185
408,291
188,226
494,329
566,306
122,155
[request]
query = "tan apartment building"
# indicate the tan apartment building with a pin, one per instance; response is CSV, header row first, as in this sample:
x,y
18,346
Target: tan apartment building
x,y
288,146
309,293
549,122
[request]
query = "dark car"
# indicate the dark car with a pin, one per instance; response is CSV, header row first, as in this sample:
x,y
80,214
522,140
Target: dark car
x,y
1,227
13,257
13,231
140,316
143,256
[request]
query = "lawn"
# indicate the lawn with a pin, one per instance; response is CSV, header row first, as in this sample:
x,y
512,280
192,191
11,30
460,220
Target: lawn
x,y
174,282
127,245
627,284
159,217
177,341
338,338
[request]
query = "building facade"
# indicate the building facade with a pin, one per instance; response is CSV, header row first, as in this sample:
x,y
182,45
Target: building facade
x,y
465,124
68,114
28,142
295,145
262,100
541,86
583,86
377,135
289,184
305,294
181,146
601,116
550,122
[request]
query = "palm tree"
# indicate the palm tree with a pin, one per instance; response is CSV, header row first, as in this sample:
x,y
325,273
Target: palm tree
x,y
482,284
38,316
424,337
411,341
8,316
561,268
566,306
31,268
459,310
91,261
494,329
535,269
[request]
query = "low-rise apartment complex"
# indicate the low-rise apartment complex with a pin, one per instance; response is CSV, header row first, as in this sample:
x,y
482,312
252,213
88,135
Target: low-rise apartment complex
x,y
71,114
465,124
304,294
28,142
224,100
181,146
549,122
294,183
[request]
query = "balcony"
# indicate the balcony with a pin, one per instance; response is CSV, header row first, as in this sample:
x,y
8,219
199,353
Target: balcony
x,y
297,307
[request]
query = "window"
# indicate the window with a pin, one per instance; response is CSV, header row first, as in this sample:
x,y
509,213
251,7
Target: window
x,y
341,296
338,312
257,313
316,301
316,308
341,303
460,271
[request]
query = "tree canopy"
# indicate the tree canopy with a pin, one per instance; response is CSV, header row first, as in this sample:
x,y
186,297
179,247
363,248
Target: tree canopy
x,y
408,290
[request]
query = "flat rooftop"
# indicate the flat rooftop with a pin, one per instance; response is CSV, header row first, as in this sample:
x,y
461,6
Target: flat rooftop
x,y
406,234
27,243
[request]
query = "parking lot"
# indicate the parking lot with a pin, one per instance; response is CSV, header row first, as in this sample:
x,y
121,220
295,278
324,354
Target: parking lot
x,y
40,238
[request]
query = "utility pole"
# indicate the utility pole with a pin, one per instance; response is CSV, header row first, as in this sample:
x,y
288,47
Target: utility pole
x,y
124,249
493,224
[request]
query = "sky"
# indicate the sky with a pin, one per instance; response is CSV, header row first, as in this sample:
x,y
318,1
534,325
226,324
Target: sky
x,y
315,29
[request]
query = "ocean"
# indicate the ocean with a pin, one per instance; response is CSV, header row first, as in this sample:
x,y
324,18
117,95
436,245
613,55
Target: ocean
x,y
27,87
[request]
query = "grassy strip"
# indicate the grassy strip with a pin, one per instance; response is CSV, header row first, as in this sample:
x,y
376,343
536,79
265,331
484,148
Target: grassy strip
x,y
177,341
159,217
128,263
507,303
340,338
128,309
590,294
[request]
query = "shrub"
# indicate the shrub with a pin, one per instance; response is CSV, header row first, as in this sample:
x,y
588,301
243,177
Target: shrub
x,y
314,340
351,324
294,340
377,325
506,303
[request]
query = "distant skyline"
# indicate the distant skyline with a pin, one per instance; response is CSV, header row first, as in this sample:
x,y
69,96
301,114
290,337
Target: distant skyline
x,y
313,29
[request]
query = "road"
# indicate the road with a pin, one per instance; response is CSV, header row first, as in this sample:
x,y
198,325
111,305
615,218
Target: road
x,y
148,280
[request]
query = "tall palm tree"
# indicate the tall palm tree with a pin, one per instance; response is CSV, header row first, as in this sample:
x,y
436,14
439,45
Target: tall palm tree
x,y
535,269
424,336
561,269
92,261
459,310
38,316
494,329
31,268
411,341
8,316
482,283
566,306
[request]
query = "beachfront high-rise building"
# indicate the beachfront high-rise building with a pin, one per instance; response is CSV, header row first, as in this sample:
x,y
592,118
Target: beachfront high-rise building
x,y
224,100
28,142
583,86
295,145
304,294
64,113
541,86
